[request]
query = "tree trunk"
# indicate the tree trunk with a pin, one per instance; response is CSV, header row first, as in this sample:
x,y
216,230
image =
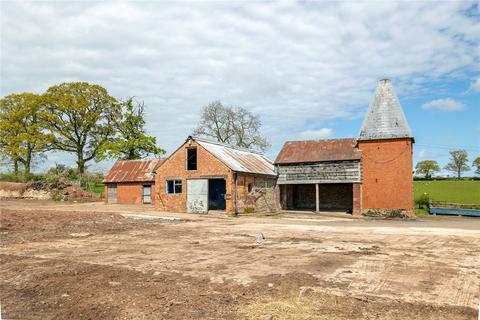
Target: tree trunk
x,y
28,162
15,167
459,173
80,168
131,154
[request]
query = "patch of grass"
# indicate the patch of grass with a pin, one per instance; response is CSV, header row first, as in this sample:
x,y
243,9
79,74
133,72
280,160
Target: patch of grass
x,y
421,212
249,210
455,191
280,309
96,188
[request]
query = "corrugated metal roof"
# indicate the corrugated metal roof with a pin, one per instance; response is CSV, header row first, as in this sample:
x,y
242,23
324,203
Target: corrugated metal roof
x,y
318,150
239,159
385,118
133,170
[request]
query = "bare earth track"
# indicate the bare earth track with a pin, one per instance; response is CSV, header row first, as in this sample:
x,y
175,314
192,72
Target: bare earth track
x,y
87,261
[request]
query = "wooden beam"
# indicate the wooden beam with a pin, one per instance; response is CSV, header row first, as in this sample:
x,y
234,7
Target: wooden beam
x,y
317,198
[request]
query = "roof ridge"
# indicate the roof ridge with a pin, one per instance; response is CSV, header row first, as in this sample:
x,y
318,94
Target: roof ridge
x,y
318,140
125,160
227,145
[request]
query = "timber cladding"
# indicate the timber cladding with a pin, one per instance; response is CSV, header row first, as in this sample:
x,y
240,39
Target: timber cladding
x,y
320,172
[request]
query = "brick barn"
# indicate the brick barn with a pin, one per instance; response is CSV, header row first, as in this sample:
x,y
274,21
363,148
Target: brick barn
x,y
368,175
202,175
131,181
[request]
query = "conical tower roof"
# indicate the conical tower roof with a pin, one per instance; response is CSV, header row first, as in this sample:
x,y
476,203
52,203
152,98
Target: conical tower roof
x,y
385,118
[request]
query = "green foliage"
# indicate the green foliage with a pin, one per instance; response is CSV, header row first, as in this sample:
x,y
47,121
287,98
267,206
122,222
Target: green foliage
x,y
427,168
476,164
22,135
421,212
422,201
96,188
458,162
456,191
20,177
80,117
131,140
61,174
11,177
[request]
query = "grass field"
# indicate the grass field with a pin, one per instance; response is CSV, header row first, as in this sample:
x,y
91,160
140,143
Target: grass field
x,y
465,192
96,188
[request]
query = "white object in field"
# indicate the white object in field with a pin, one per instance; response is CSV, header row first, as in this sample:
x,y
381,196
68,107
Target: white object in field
x,y
260,238
197,195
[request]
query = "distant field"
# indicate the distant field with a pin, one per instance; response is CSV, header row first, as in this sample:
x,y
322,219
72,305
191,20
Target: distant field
x,y
467,192
95,188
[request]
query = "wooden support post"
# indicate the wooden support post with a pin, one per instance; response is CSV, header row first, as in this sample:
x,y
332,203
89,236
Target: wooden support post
x,y
317,198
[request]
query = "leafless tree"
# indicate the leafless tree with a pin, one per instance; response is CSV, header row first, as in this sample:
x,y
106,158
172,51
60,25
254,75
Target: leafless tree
x,y
233,125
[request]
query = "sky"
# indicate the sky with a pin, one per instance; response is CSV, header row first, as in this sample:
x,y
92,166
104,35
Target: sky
x,y
309,69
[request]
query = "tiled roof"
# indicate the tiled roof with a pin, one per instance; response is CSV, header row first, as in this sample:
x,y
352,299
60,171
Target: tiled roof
x,y
239,159
133,171
318,150
385,118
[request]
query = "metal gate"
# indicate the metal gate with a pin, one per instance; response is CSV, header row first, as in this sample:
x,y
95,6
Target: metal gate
x,y
112,193
147,193
197,195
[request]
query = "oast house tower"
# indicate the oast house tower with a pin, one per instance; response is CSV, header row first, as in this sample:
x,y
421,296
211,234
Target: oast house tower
x,y
385,142
370,175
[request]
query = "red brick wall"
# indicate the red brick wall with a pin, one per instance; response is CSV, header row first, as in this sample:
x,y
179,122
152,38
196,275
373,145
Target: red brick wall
x,y
357,199
387,179
129,192
208,166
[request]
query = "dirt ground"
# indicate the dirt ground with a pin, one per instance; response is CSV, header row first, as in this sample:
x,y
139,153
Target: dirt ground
x,y
96,261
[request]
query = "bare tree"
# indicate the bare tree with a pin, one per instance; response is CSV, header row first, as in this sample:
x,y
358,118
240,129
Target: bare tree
x,y
458,163
233,125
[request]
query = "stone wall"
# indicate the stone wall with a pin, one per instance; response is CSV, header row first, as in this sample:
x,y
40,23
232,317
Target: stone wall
x,y
262,196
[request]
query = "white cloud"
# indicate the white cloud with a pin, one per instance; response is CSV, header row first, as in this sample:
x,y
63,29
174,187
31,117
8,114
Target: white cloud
x,y
475,85
323,133
447,104
294,63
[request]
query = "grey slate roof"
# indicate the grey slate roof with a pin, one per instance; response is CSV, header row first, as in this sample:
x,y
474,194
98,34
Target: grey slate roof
x,y
385,118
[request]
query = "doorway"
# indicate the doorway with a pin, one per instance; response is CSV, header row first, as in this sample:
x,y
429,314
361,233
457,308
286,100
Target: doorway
x,y
147,193
112,193
216,194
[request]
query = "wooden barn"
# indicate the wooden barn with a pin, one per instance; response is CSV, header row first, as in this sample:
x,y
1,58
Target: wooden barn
x,y
203,175
368,175
131,181
319,174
